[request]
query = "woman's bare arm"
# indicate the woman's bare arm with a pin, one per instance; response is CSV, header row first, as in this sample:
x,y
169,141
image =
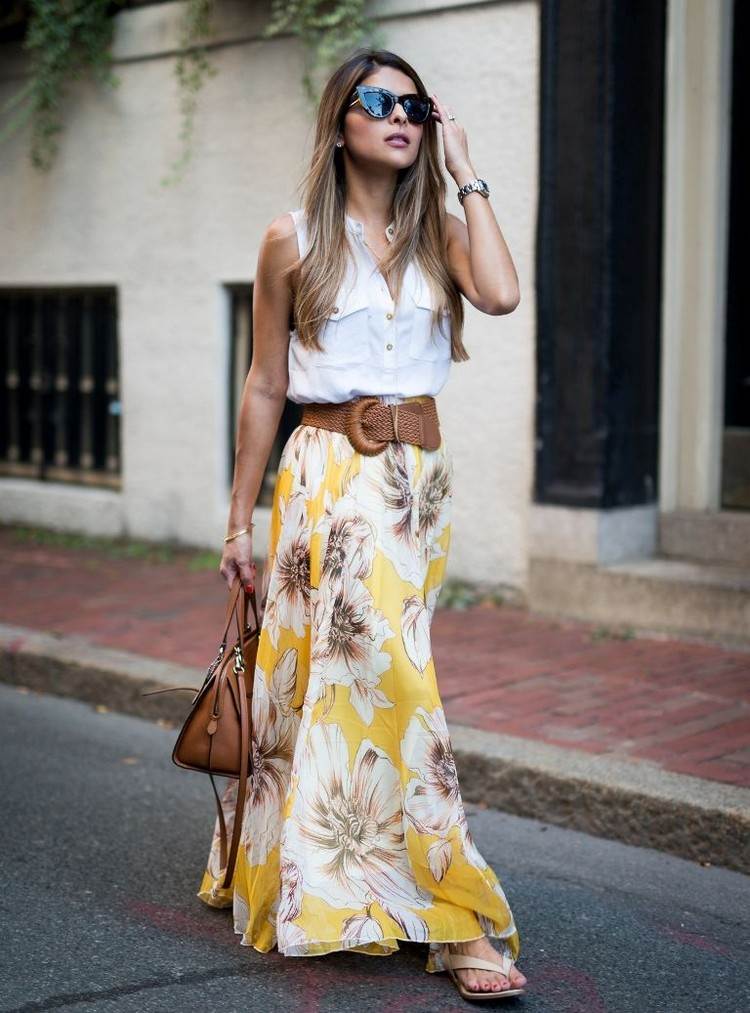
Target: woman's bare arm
x,y
484,264
264,391
479,260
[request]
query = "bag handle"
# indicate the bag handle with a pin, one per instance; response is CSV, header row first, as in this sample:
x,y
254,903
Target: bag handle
x,y
237,606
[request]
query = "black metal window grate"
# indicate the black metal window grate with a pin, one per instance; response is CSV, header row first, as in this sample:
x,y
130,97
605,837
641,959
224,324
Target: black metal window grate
x,y
241,324
59,363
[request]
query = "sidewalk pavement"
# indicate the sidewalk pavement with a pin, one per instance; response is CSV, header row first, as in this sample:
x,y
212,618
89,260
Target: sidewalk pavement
x,y
643,739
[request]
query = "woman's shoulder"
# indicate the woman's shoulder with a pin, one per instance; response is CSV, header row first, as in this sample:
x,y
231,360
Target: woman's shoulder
x,y
284,232
278,250
294,224
284,225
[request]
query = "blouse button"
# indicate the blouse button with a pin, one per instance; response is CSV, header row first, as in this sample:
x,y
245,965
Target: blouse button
x,y
389,316
335,309
389,346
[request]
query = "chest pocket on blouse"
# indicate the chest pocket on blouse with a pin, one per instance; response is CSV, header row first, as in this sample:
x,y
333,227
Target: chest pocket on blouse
x,y
345,332
427,342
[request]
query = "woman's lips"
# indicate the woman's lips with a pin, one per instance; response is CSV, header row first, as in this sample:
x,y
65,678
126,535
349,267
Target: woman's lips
x,y
397,142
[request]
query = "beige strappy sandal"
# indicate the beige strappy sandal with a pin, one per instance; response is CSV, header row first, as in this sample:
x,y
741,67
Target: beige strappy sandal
x,y
504,965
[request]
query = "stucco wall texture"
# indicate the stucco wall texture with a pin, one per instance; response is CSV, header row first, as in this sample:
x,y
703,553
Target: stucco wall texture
x,y
102,217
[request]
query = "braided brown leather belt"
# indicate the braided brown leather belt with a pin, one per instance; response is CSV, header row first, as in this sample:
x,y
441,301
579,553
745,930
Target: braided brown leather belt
x,y
371,423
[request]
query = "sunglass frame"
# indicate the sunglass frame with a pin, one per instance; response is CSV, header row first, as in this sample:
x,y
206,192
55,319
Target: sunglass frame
x,y
362,91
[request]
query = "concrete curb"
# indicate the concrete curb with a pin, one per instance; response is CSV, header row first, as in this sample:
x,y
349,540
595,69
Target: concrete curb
x,y
627,800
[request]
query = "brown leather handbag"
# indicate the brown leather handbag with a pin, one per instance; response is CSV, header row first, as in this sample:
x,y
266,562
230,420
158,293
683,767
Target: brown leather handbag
x,y
216,737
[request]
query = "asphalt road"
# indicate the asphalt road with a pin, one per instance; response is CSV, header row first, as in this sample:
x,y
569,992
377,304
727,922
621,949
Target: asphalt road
x,y
103,846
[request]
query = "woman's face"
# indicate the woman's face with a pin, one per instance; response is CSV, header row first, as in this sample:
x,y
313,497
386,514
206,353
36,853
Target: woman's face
x,y
365,138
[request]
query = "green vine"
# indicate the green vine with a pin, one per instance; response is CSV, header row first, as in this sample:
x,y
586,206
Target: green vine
x,y
327,29
192,67
65,41
70,39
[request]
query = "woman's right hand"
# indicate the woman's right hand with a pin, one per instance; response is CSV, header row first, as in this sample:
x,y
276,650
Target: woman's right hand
x,y
237,558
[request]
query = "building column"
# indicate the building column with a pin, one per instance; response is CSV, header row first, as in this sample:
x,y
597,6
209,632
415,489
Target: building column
x,y
696,202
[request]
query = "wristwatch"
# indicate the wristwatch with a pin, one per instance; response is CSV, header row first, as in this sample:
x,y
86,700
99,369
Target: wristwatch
x,y
480,185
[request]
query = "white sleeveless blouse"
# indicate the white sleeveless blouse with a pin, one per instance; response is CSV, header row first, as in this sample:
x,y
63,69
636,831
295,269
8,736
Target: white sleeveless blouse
x,y
370,345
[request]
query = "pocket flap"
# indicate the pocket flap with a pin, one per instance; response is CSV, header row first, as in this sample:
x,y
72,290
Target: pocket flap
x,y
423,297
356,299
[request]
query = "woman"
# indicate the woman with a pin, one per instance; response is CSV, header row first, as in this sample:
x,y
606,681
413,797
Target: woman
x,y
354,834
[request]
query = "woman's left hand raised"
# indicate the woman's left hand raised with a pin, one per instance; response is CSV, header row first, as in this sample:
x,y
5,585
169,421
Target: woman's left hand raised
x,y
455,145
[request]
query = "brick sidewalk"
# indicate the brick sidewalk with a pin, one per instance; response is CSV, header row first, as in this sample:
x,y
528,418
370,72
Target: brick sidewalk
x,y
682,705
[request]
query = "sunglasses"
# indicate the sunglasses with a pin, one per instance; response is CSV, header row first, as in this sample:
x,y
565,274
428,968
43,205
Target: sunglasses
x,y
379,103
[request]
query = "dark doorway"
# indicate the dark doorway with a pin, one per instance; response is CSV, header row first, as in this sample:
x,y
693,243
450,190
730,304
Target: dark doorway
x,y
735,462
599,245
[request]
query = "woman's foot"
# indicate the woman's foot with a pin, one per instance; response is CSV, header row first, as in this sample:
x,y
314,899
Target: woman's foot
x,y
477,979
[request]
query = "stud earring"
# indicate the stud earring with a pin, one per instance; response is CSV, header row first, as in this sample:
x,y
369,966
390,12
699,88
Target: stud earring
x,y
339,144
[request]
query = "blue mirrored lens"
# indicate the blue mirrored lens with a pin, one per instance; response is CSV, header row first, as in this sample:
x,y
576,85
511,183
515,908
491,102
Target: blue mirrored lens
x,y
417,109
380,104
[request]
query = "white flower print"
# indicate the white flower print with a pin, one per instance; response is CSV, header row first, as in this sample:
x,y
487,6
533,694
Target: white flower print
x,y
385,489
341,447
284,680
285,907
364,695
292,940
433,498
432,799
411,924
290,900
273,749
270,620
240,913
415,632
324,521
346,831
359,929
432,599
288,604
439,857
306,453
470,849
350,634
350,543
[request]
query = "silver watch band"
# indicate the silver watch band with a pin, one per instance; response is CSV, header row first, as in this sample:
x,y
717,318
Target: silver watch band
x,y
474,185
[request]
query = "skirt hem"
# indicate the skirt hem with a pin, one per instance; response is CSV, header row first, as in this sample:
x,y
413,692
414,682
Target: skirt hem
x,y
434,961
387,951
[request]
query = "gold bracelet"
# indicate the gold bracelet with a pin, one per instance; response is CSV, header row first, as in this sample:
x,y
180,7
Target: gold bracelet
x,y
238,533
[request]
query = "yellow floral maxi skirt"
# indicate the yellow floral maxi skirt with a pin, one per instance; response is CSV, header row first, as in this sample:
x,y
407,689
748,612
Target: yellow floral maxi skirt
x,y
354,833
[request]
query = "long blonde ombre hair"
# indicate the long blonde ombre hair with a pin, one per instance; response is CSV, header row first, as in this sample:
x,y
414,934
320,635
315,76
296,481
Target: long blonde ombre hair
x,y
418,213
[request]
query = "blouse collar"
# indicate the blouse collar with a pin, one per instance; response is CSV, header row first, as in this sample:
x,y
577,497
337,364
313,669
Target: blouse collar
x,y
358,228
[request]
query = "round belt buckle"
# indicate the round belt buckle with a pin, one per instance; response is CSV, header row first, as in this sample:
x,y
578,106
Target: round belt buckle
x,y
356,428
